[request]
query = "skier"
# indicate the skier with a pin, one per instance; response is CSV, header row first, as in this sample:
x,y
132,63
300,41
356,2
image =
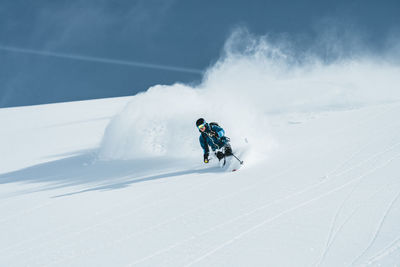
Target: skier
x,y
212,135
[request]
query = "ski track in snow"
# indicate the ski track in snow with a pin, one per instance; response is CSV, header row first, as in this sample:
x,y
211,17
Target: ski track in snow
x,y
331,235
363,147
110,220
142,194
225,223
26,211
386,251
334,234
378,229
242,234
329,239
68,231
368,159
307,189
66,226
210,203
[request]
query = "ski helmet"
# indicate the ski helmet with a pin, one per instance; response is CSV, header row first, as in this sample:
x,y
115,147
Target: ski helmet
x,y
200,122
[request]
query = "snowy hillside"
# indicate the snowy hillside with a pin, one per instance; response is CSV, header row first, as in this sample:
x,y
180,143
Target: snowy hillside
x,y
328,196
121,182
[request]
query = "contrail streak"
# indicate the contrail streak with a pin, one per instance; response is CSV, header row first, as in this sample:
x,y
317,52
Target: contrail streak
x,y
100,60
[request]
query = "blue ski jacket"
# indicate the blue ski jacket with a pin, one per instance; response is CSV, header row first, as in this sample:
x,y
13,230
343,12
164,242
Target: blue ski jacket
x,y
209,138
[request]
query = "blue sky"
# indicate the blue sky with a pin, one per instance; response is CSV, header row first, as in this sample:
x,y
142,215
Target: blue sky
x,y
160,39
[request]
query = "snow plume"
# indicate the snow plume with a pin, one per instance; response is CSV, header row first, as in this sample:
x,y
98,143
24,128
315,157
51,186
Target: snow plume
x,y
253,78
162,120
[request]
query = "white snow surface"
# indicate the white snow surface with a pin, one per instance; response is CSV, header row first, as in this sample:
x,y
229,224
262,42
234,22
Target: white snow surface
x,y
121,182
327,195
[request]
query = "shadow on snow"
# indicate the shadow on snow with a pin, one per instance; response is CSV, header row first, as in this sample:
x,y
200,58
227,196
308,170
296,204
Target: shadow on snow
x,y
83,169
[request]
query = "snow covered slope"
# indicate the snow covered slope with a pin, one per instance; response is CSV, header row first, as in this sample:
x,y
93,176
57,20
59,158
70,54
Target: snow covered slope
x,y
120,181
328,195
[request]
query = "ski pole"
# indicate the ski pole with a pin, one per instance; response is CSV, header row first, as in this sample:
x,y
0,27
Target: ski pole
x,y
241,161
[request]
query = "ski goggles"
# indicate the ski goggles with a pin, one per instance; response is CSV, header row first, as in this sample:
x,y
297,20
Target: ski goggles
x,y
201,127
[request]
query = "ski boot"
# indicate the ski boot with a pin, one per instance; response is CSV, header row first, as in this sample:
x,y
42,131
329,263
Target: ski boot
x,y
219,155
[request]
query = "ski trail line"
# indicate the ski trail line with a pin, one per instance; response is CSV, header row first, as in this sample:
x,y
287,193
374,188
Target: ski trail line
x,y
25,211
261,208
368,159
378,230
65,226
229,221
173,219
333,234
330,237
360,149
335,219
230,195
327,245
237,237
389,249
88,228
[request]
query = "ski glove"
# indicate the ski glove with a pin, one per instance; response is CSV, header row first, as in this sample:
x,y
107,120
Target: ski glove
x,y
206,158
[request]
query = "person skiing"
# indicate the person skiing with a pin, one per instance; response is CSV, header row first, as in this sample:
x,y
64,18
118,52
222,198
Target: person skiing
x,y
212,135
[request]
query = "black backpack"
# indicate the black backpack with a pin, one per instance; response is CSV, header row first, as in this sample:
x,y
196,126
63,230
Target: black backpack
x,y
213,123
